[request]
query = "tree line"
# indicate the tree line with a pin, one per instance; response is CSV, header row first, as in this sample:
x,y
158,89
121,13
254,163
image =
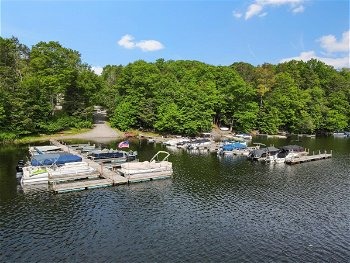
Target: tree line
x,y
47,88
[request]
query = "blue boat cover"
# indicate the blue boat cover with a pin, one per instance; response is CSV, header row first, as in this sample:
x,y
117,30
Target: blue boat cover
x,y
54,158
234,146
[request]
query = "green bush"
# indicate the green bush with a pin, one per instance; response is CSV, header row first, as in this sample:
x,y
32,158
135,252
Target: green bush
x,y
7,137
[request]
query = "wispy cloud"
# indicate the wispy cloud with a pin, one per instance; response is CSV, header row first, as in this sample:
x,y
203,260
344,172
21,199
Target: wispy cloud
x,y
237,14
338,52
253,10
258,7
127,41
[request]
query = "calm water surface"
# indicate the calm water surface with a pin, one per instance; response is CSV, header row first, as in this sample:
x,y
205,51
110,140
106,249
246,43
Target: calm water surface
x,y
212,210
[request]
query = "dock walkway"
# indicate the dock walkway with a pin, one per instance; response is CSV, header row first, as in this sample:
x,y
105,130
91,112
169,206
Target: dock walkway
x,y
106,177
309,158
81,185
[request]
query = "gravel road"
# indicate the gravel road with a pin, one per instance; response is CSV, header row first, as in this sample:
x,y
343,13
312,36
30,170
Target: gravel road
x,y
100,133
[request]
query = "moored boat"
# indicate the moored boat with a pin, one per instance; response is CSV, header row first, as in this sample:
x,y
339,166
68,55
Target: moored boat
x,y
147,169
288,152
263,154
110,155
34,175
231,147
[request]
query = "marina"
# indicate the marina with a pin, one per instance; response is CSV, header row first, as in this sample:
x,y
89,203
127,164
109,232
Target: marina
x,y
225,204
84,166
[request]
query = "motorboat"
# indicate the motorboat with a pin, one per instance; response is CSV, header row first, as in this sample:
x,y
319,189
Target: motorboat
x,y
200,143
288,152
263,154
39,150
231,147
174,142
111,155
341,134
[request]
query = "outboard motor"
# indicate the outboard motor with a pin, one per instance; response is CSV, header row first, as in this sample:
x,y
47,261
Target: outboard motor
x,y
19,166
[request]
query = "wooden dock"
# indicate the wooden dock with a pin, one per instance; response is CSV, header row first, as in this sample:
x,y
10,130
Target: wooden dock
x,y
309,158
105,177
103,170
81,185
64,178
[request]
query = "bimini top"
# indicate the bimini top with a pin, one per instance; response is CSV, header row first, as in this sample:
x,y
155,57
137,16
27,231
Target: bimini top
x,y
294,148
54,158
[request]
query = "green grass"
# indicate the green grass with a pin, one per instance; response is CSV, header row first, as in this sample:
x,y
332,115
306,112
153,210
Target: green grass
x,y
46,137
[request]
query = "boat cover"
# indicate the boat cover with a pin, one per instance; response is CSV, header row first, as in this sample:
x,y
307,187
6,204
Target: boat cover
x,y
263,151
54,158
294,148
234,146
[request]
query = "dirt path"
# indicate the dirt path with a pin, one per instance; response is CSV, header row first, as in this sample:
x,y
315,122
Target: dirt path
x,y
100,133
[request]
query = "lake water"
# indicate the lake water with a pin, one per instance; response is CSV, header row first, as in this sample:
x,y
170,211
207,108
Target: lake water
x,y
212,210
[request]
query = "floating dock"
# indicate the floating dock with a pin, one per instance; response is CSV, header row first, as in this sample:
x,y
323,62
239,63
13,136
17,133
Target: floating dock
x,y
81,185
104,178
309,158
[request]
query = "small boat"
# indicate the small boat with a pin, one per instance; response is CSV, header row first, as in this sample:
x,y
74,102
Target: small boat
x,y
244,136
54,159
151,140
147,169
71,170
115,155
263,154
34,175
201,143
230,147
288,152
38,150
341,134
174,142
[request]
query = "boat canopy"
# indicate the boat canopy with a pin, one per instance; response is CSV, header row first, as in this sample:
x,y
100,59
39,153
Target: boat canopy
x,y
262,152
54,158
294,148
234,146
108,155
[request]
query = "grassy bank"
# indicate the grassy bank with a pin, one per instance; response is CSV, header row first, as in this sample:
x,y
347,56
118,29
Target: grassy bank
x,y
46,137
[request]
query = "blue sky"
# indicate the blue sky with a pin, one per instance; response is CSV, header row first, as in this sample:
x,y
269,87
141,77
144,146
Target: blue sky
x,y
215,32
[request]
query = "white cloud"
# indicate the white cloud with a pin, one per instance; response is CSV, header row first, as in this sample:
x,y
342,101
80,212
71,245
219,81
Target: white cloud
x,y
330,43
237,14
340,62
298,9
256,8
253,9
127,41
338,54
149,45
97,69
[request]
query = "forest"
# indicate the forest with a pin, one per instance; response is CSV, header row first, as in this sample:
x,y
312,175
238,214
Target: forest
x,y
47,88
